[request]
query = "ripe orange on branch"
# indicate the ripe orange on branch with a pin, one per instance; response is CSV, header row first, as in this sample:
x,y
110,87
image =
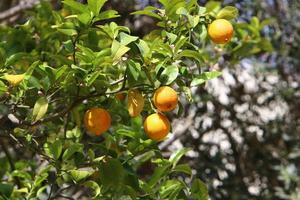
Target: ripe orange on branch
x,y
220,31
165,99
97,121
157,126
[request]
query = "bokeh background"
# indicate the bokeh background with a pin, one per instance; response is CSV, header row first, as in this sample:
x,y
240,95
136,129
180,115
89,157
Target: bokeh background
x,y
244,128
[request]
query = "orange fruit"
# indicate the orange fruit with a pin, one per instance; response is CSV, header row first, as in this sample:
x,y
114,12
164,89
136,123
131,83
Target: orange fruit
x,y
220,31
97,121
135,103
157,126
165,99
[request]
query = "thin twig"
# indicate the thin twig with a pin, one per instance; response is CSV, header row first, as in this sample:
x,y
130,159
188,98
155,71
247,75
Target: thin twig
x,y
23,5
10,161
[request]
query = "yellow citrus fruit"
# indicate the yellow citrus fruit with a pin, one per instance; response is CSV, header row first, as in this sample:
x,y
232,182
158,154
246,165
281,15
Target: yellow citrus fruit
x,y
165,99
157,126
220,31
135,103
14,80
97,121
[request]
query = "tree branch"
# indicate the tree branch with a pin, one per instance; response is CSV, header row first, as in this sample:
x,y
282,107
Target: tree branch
x,y
23,5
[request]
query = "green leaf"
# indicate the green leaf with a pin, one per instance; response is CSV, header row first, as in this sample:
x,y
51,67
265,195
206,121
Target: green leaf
x,y
144,48
158,174
190,54
183,168
182,11
21,174
3,88
171,6
266,45
194,20
255,23
71,150
126,39
53,149
78,175
94,187
118,50
126,132
84,18
6,189
175,157
180,43
14,58
149,10
168,75
228,12
76,6
188,93
170,189
199,190
111,173
108,14
69,32
96,5
133,71
267,22
212,7
40,108
39,179
202,78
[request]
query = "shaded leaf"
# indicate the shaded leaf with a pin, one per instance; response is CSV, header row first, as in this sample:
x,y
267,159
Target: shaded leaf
x,y
228,12
202,78
40,108
199,190
94,187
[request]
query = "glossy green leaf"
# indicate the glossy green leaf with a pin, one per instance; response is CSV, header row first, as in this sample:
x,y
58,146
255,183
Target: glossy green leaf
x,y
40,108
212,7
190,54
71,150
170,189
228,12
108,14
188,93
3,88
126,39
15,58
69,32
118,50
158,174
112,173
199,190
76,6
175,157
96,5
94,187
202,78
6,190
149,10
168,75
79,175
54,149
183,168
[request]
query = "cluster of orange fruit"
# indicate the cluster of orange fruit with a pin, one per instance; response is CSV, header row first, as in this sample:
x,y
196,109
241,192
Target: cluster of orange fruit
x,y
156,126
